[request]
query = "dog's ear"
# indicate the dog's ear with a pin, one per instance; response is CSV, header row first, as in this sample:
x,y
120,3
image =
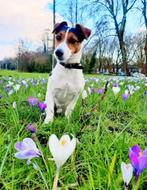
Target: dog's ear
x,y
59,26
84,31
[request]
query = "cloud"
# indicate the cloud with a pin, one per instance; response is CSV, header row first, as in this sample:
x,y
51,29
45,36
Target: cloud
x,y
23,19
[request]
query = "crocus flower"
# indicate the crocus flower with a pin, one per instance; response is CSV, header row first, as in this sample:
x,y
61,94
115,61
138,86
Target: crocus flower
x,y
32,101
84,94
14,105
131,89
116,89
90,90
1,96
42,106
125,95
115,84
145,93
61,149
31,127
10,83
26,150
127,172
11,92
16,87
100,91
137,88
138,159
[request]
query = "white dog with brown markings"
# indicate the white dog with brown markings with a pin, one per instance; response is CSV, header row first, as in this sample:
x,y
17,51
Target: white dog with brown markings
x,y
67,80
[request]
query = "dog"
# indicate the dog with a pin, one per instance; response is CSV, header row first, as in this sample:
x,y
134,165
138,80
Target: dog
x,y
66,81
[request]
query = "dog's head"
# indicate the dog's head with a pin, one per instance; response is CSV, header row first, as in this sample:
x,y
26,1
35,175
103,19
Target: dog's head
x,y
68,40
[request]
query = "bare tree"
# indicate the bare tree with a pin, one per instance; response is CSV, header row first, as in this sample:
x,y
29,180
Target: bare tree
x,y
144,13
71,11
54,21
117,11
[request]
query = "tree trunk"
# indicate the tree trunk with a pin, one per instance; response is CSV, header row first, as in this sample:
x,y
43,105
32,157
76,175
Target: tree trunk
x,y
145,50
124,57
54,21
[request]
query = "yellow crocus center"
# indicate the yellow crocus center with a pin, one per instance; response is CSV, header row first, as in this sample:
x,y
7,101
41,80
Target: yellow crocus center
x,y
63,142
140,153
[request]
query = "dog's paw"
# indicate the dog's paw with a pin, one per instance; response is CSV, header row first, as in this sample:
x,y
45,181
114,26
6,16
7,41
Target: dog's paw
x,y
48,120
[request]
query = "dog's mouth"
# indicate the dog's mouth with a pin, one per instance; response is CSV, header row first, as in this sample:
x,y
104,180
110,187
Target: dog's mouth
x,y
60,58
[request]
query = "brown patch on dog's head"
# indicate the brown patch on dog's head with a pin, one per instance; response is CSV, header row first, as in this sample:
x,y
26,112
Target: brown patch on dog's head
x,y
59,27
73,42
75,35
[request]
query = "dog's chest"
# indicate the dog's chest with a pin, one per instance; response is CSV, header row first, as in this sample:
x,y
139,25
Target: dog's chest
x,y
66,85
64,94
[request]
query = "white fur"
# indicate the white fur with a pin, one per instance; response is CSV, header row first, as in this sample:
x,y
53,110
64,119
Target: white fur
x,y
64,85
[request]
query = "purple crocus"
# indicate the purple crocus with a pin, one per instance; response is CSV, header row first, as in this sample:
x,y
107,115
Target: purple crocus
x,y
26,150
145,93
115,84
1,96
138,160
91,90
42,106
32,101
31,127
100,91
125,95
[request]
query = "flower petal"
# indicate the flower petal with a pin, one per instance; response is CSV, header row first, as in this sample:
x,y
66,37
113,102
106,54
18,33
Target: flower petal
x,y
20,146
29,143
134,159
142,163
145,152
27,154
61,150
127,172
65,140
136,149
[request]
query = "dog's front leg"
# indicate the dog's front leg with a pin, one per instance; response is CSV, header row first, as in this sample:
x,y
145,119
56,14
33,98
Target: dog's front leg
x,y
71,106
49,100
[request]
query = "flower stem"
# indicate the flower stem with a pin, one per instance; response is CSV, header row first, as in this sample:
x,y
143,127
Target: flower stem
x,y
55,183
126,187
137,182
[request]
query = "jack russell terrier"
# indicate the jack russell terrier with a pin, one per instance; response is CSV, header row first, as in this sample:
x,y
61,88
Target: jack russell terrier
x,y
67,80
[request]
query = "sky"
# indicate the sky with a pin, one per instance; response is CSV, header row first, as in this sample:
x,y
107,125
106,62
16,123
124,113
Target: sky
x,y
23,20
28,19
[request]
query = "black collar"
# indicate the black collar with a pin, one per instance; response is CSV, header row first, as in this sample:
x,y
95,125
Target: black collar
x,y
71,65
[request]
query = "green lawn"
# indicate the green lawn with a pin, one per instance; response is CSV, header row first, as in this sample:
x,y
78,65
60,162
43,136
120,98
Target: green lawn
x,y
23,74
105,128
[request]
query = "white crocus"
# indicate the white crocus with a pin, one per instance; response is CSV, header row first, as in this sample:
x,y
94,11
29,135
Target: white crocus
x,y
14,105
84,94
16,87
137,88
61,149
116,89
127,172
89,90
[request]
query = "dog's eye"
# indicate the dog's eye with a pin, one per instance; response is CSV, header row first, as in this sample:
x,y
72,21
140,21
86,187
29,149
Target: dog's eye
x,y
72,41
58,38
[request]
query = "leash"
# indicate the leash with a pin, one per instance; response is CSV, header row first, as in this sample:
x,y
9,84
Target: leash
x,y
71,65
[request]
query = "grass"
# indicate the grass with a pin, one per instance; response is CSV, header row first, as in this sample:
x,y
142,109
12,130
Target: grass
x,y
104,135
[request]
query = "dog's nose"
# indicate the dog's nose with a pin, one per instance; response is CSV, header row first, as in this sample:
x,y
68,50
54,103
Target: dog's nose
x,y
59,52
